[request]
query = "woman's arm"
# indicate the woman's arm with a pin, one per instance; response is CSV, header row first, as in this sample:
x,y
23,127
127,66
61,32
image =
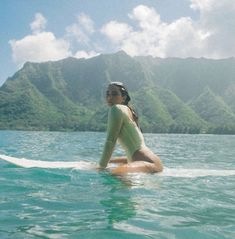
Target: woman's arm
x,y
115,121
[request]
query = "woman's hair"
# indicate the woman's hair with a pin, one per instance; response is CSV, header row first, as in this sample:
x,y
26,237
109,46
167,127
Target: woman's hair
x,y
124,92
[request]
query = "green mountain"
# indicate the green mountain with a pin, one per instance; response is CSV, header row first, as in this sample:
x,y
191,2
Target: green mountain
x,y
214,110
185,119
154,114
170,95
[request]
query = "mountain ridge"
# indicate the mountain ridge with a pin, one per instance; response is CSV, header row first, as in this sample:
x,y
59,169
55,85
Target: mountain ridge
x,y
169,94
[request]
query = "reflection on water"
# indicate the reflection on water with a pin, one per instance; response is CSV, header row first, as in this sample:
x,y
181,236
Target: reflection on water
x,y
118,204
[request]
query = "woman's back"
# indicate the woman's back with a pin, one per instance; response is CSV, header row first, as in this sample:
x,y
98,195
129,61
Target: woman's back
x,y
130,137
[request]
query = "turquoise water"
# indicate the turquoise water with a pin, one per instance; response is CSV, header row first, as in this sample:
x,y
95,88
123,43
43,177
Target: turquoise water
x,y
69,203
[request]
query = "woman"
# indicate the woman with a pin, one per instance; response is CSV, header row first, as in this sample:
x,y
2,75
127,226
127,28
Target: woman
x,y
123,126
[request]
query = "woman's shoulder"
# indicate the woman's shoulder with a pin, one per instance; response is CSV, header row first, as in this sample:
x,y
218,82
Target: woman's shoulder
x,y
116,112
119,108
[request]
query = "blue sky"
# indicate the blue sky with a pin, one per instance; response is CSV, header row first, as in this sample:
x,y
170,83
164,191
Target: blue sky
x,y
43,30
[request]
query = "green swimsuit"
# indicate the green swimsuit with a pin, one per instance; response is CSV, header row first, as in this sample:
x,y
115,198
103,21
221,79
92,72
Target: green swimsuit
x,y
121,127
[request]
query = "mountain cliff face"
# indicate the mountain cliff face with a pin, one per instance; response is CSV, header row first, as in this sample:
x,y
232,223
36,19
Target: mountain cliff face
x,y
171,95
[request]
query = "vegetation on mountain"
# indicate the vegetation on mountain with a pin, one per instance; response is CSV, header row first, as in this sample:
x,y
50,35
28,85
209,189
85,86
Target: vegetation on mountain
x,y
170,95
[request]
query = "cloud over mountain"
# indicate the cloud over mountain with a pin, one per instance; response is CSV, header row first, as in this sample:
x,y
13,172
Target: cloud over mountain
x,y
211,35
39,23
40,45
81,29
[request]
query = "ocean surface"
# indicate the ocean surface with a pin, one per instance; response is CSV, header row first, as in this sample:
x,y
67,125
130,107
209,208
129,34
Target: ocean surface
x,y
193,199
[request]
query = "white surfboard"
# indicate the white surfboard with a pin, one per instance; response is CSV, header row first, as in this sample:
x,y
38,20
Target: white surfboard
x,y
29,163
83,165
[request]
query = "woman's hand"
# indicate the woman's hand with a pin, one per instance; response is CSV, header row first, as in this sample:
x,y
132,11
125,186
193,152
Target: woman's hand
x,y
99,168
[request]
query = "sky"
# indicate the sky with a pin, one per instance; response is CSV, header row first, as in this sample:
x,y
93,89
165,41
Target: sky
x,y
45,30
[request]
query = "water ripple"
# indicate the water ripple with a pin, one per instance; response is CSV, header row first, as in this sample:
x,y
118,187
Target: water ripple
x,y
180,203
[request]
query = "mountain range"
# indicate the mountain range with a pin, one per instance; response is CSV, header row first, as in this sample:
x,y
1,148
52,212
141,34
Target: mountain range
x,y
171,95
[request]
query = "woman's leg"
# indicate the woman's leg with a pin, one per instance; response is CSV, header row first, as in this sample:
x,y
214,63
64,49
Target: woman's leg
x,y
146,155
135,167
122,159
144,161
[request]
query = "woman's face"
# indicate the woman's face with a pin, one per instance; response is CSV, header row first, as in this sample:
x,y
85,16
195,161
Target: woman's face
x,y
114,95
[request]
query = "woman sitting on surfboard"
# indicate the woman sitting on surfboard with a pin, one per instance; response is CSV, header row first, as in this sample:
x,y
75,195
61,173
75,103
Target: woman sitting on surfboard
x,y
123,126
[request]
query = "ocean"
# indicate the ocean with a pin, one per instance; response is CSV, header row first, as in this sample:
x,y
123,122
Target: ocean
x,y
193,198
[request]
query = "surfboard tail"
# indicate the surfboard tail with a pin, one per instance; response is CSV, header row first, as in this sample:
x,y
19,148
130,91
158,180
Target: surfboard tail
x,y
29,163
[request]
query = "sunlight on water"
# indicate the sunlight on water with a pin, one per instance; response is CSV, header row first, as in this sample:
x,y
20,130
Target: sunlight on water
x,y
193,198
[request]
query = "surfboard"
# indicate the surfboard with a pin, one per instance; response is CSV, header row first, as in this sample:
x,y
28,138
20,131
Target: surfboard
x,y
84,165
194,173
29,163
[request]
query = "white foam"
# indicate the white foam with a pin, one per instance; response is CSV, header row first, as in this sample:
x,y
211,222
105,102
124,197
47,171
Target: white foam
x,y
28,163
193,173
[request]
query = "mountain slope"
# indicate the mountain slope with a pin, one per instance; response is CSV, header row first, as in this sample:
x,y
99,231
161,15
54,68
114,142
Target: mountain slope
x,y
213,109
30,103
170,95
187,78
185,119
154,114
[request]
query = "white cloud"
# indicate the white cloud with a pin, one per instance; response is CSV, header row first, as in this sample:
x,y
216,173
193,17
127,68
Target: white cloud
x,y
218,18
82,29
212,35
41,45
116,31
86,23
38,48
201,4
74,31
147,17
86,55
212,5
38,24
153,37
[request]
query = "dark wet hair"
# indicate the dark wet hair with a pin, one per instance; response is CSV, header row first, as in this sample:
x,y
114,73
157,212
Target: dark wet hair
x,y
124,92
